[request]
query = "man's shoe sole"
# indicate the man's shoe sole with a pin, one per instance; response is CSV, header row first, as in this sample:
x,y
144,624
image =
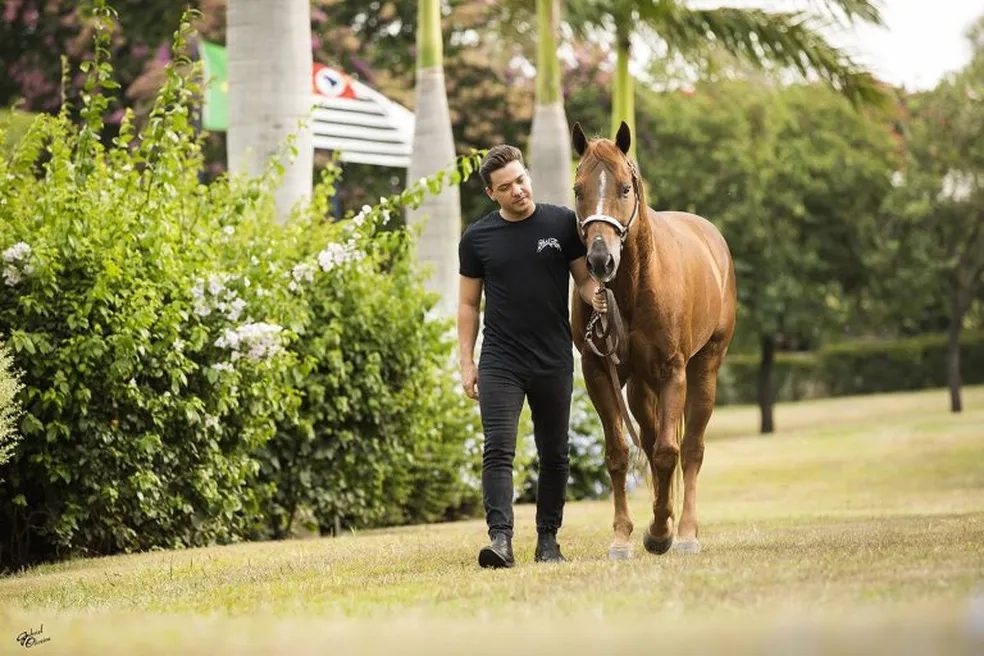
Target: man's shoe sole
x,y
489,559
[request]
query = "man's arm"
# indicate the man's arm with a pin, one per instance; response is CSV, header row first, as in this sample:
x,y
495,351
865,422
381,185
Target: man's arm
x,y
469,300
587,287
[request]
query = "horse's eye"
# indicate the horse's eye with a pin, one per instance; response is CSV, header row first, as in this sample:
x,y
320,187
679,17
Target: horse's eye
x,y
577,193
626,189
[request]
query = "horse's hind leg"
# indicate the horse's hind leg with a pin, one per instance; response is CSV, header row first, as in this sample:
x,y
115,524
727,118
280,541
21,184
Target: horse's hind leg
x,y
602,393
702,373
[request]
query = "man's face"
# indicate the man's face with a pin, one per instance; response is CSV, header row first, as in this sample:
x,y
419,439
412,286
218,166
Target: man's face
x,y
510,188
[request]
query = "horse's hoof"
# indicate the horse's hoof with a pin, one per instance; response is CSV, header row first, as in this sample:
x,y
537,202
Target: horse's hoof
x,y
657,545
619,553
688,546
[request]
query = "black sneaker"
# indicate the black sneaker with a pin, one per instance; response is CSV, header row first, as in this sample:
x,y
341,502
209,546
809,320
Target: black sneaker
x,y
497,555
547,549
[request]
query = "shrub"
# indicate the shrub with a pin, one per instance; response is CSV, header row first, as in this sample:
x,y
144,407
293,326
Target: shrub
x,y
382,429
9,408
195,372
860,367
140,417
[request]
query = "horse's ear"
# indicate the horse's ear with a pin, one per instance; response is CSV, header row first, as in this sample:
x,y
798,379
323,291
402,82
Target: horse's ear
x,y
580,142
623,138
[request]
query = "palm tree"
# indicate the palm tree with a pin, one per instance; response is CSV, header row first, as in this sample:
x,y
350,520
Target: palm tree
x,y
433,149
550,143
755,36
269,45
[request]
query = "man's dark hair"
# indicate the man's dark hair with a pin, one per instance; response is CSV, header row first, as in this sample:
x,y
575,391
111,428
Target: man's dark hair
x,y
496,158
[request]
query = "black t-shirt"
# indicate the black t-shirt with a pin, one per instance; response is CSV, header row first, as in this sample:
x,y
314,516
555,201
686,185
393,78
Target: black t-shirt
x,y
525,268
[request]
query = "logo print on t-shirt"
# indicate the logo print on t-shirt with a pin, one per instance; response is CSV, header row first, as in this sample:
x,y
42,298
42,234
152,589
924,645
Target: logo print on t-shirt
x,y
550,242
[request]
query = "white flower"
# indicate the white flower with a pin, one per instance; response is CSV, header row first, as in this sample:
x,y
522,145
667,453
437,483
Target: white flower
x,y
216,284
257,341
11,276
17,252
229,230
236,309
292,286
303,272
223,366
337,254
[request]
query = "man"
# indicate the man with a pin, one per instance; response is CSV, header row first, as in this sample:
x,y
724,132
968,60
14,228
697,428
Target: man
x,y
520,255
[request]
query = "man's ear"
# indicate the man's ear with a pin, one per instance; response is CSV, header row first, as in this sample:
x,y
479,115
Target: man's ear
x,y
488,192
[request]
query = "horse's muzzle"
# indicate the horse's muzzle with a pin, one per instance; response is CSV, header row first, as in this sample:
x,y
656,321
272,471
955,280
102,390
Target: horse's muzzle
x,y
601,264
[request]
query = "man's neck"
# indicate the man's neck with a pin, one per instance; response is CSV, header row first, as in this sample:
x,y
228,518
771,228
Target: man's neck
x,y
514,218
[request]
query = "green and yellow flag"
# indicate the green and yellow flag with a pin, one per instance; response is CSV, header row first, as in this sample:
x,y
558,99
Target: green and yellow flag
x,y
215,114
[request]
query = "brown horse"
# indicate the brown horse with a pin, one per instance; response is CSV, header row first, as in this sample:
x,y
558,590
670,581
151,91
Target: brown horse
x,y
673,279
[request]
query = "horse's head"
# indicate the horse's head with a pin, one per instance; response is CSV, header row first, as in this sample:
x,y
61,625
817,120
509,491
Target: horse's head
x,y
607,193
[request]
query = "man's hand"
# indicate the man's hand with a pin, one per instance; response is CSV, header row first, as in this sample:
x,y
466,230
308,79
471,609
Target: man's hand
x,y
469,380
600,301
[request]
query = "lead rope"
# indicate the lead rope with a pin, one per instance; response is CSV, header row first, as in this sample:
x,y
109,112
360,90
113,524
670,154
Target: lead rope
x,y
609,329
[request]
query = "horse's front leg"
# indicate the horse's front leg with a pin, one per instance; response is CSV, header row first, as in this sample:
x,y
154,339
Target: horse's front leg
x,y
672,377
602,393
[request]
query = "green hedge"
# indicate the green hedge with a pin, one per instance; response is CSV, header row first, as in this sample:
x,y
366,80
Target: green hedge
x,y
9,406
195,372
860,367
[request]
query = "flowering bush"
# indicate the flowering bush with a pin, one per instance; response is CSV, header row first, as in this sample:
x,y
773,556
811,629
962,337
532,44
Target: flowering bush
x,y
9,386
382,427
139,423
195,372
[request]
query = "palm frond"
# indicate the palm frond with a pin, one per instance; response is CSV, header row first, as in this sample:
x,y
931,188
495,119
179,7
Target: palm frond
x,y
867,11
763,39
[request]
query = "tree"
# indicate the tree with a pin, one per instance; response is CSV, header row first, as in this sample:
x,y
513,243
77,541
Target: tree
x,y
794,177
433,150
785,40
939,206
270,63
550,143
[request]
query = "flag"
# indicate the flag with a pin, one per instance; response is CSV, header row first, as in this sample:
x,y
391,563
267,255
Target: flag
x,y
215,114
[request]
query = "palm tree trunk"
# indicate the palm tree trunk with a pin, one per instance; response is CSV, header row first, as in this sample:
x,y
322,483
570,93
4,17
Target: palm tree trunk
x,y
623,96
433,149
766,399
550,137
270,62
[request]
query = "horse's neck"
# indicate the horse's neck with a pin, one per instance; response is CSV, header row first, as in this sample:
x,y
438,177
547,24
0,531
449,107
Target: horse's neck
x,y
635,269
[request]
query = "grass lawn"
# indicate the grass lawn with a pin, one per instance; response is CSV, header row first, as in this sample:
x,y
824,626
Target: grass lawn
x,y
858,528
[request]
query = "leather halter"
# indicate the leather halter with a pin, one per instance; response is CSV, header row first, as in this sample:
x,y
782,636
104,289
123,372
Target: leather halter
x,y
622,229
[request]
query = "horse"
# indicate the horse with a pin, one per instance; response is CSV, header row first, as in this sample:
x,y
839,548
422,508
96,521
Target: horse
x,y
673,280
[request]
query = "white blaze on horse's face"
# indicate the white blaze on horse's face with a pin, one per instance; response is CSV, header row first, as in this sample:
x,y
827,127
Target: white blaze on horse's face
x,y
604,208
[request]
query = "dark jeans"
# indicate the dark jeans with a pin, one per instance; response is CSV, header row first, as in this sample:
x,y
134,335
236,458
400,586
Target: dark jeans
x,y
501,394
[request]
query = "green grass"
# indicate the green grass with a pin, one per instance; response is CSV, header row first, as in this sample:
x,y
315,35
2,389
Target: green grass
x,y
858,528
